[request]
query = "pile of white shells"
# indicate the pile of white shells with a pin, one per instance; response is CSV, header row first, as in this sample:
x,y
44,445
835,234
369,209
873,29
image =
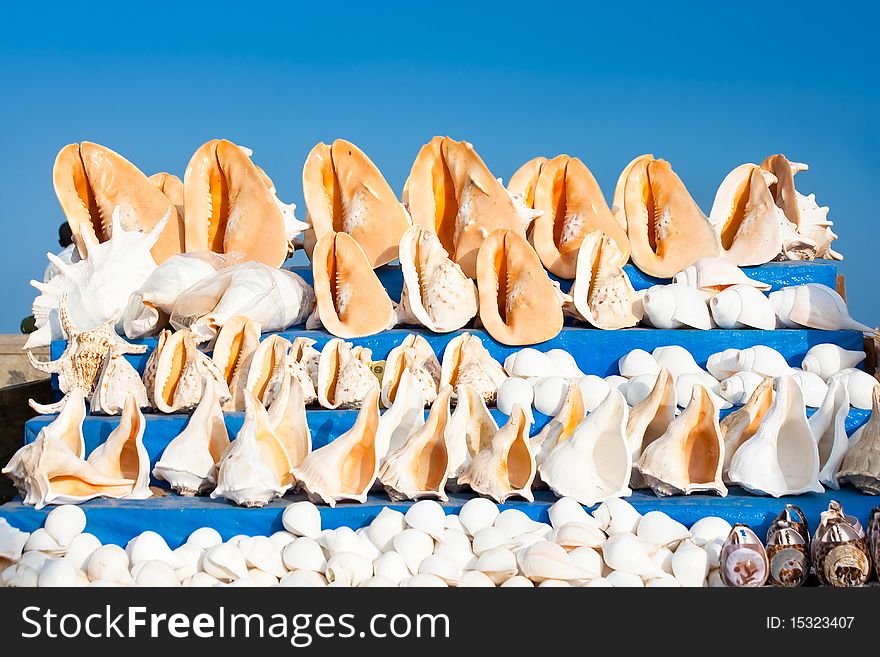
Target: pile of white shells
x,y
481,546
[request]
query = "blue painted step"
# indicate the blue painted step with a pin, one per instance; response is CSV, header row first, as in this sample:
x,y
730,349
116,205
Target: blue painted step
x,y
118,521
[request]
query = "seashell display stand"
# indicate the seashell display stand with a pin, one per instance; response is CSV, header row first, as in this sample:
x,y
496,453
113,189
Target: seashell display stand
x,y
595,351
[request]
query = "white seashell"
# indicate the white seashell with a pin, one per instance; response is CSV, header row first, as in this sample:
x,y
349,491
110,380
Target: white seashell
x,y
204,537
594,464
738,387
565,363
781,458
573,535
476,514
384,527
451,521
287,416
303,578
116,381
713,275
616,381
684,386
260,553
814,306
12,541
154,574
649,420
274,298
41,541
709,530
589,560
489,538
349,568
109,563
690,565
676,359
715,580
859,384
545,560
413,545
828,359
413,354
742,306
620,579
440,566
513,523
302,519
281,539
456,545
528,362
261,578
616,515
34,559
636,363
392,566
659,529
475,578
470,429
188,462
345,539
426,516
639,387
594,390
561,427
344,375
150,546
225,562
516,392
667,581
405,416
201,580
550,394
467,362
759,359
123,455
517,581
65,523
675,306
828,427
57,573
179,372
269,365
81,549
812,386
191,559
566,510
663,558
626,553
304,553
499,564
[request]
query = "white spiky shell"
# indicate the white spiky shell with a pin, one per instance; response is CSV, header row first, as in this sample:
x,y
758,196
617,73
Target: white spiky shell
x,y
742,306
814,306
675,306
344,371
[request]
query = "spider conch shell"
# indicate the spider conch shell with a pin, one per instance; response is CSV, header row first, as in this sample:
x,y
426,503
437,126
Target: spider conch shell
x,y
287,415
123,455
594,464
742,424
181,372
802,211
827,359
269,367
781,458
812,305
562,426
469,430
188,462
505,468
861,465
675,306
451,192
523,182
714,275
602,293
149,308
828,426
649,420
98,287
666,229
419,467
117,381
467,362
752,228
571,206
344,375
92,183
519,304
346,193
255,467
229,207
350,300
274,298
171,186
415,354
742,306
345,468
436,294
688,457
234,348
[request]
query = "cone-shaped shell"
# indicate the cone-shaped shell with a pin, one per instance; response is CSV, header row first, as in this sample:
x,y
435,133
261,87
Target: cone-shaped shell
x,y
346,468
189,461
861,465
505,468
689,456
418,469
181,374
436,294
116,381
781,458
742,424
92,180
287,415
451,191
828,426
827,359
350,299
742,306
571,205
602,293
594,464
344,375
467,362
415,354
524,181
812,305
519,304
345,193
229,207
469,431
666,229
234,348
649,420
123,455
714,275
675,306
562,426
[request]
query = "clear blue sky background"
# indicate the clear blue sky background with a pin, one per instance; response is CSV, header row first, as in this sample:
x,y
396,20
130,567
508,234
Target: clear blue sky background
x,y
707,86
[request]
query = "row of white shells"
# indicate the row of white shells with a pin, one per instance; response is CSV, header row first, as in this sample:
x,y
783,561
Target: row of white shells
x,y
480,546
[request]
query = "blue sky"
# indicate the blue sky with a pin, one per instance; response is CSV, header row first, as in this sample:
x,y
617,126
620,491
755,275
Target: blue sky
x,y
707,86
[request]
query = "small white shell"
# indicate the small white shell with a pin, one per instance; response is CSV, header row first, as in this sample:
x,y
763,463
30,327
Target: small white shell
x,y
676,359
828,359
302,519
515,391
675,306
739,387
550,394
742,306
637,362
476,514
594,390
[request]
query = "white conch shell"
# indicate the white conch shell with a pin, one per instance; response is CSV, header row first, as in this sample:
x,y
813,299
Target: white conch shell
x,y
594,390
180,372
274,298
269,366
859,384
255,467
602,293
415,354
594,464
507,466
287,415
117,380
812,305
714,275
688,457
639,387
344,374
467,362
406,414
781,458
346,468
419,467
516,392
564,363
827,359
528,362
737,388
676,359
470,430
188,462
742,306
562,426
861,465
98,287
649,420
234,348
550,392
436,294
759,359
637,362
150,306
813,387
828,426
123,455
742,424
675,306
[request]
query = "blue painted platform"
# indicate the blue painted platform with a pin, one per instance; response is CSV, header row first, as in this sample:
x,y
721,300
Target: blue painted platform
x,y
118,521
